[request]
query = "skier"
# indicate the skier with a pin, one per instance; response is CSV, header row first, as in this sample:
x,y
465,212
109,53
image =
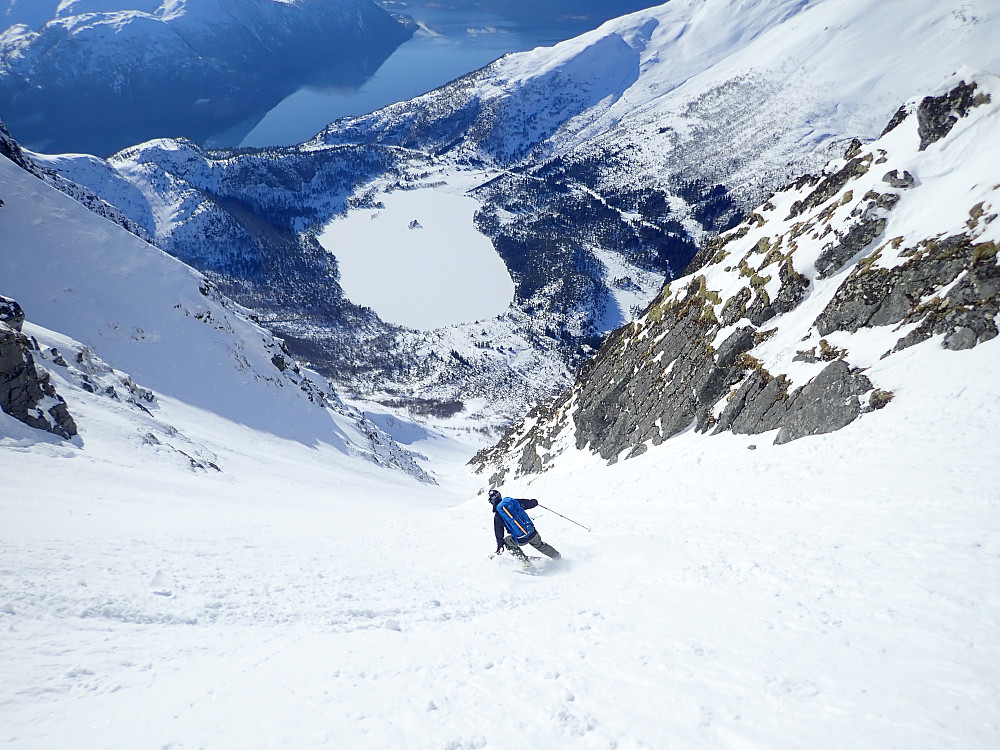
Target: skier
x,y
509,516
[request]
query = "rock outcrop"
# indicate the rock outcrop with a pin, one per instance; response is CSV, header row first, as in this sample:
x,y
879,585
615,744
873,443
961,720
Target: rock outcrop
x,y
25,392
712,352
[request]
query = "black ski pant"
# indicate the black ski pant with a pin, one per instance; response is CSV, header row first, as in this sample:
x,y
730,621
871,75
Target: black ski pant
x,y
535,541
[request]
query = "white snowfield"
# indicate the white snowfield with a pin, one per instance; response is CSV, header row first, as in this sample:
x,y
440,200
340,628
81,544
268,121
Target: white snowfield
x,y
836,592
839,591
801,74
417,259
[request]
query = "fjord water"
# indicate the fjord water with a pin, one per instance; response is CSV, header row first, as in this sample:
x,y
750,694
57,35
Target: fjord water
x,y
448,44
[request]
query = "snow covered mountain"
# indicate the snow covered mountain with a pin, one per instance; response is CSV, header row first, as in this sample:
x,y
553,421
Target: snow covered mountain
x,y
97,75
594,11
140,349
96,168
820,308
726,589
600,164
691,94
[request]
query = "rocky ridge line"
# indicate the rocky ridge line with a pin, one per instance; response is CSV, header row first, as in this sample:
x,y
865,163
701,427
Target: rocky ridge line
x,y
699,357
26,392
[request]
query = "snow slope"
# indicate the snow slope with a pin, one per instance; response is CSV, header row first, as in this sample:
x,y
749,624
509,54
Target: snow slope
x,y
834,592
112,298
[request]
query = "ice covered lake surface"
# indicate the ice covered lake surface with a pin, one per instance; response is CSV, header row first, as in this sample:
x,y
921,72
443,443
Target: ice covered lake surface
x,y
417,259
448,44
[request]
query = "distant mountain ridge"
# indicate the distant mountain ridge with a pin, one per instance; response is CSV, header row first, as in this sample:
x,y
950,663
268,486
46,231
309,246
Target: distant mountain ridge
x,y
122,71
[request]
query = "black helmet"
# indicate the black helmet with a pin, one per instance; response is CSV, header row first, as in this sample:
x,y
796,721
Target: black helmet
x,y
494,497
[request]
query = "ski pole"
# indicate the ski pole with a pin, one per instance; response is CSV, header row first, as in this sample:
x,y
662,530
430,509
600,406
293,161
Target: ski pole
x,y
562,516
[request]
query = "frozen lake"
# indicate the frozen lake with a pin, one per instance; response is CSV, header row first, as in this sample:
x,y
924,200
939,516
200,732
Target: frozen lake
x,y
435,272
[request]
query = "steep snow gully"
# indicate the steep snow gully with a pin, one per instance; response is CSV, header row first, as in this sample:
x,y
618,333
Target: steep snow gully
x,y
838,591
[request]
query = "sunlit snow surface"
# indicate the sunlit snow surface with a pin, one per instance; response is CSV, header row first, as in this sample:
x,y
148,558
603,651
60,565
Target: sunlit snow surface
x,y
839,591
417,259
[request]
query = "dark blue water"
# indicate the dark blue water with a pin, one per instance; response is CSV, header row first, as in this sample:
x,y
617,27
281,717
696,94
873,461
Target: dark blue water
x,y
449,44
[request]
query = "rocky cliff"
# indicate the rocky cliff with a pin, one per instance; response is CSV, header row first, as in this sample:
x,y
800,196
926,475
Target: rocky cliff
x,y
778,320
25,391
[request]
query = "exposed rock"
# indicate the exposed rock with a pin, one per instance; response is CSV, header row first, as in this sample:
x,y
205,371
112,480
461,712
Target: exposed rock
x,y
894,179
615,412
11,149
25,393
961,338
612,410
760,310
735,307
826,403
879,399
885,201
853,149
756,406
280,362
836,255
897,119
830,186
739,341
11,313
937,115
885,296
793,290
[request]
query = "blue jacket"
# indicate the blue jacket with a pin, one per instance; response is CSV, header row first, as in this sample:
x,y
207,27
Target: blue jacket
x,y
499,530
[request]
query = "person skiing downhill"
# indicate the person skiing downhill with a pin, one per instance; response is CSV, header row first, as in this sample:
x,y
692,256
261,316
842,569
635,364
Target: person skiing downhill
x,y
513,528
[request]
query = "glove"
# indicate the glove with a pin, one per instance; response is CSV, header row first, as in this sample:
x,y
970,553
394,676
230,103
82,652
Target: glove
x,y
499,550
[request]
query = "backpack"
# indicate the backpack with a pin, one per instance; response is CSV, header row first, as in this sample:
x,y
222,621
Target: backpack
x,y
515,519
